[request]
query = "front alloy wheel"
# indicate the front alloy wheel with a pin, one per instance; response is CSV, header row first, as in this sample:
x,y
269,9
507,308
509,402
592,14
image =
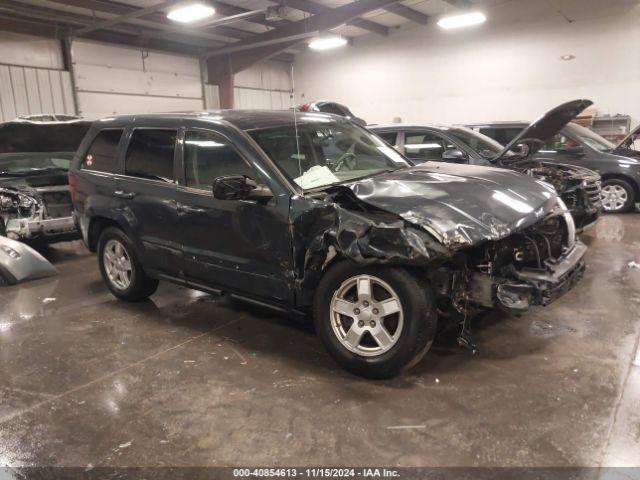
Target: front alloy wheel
x,y
617,195
367,315
374,321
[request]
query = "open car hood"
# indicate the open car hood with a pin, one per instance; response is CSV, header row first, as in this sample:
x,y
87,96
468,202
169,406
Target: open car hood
x,y
24,136
546,126
628,140
460,205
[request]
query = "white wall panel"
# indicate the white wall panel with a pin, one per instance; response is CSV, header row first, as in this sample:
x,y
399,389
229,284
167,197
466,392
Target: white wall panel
x,y
31,91
30,51
116,80
503,70
264,86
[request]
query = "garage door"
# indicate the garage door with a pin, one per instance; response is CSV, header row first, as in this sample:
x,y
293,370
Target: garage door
x,y
114,80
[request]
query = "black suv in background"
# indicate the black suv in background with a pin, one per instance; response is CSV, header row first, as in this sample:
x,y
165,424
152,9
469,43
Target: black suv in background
x,y
618,165
313,213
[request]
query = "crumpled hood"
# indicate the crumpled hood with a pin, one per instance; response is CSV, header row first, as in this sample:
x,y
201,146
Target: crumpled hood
x,y
460,205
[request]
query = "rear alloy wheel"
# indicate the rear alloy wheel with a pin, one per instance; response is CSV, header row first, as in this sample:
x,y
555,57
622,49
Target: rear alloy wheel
x,y
120,268
375,322
617,195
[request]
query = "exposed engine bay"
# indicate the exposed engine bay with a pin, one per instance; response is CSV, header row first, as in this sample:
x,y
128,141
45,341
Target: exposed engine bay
x,y
578,187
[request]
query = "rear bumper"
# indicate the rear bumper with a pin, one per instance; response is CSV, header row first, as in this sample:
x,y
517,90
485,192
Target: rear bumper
x,y
530,287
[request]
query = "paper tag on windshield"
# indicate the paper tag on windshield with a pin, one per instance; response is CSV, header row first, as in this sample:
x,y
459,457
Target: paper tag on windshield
x,y
316,177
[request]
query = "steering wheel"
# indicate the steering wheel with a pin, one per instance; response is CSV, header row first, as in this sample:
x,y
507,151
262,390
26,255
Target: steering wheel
x,y
347,159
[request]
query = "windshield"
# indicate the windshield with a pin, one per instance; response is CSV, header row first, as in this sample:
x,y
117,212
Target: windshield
x,y
25,163
325,154
592,139
487,147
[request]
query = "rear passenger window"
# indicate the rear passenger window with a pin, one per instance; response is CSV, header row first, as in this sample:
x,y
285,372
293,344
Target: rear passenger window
x,y
101,155
208,156
150,154
389,137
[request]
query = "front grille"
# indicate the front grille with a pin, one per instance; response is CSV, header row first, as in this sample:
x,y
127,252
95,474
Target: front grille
x,y
57,204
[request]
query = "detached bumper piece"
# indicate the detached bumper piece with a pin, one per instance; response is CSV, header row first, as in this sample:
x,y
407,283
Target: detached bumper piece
x,y
532,286
19,263
28,228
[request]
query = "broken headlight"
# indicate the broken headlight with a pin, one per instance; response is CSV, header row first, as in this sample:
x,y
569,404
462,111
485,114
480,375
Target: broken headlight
x,y
26,202
6,202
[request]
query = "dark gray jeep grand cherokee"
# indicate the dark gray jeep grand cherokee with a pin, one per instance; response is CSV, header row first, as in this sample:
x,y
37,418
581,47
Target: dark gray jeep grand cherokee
x,y
312,213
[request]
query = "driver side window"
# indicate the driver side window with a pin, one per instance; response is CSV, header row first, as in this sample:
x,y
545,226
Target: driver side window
x,y
558,143
207,156
424,147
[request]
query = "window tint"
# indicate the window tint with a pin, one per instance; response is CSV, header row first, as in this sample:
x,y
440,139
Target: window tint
x,y
150,154
101,155
208,156
389,137
425,147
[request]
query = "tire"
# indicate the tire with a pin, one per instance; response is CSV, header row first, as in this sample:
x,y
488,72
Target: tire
x,y
625,195
133,287
409,332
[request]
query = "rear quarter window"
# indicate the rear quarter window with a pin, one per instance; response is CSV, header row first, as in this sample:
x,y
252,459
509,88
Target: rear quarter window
x,y
102,154
150,154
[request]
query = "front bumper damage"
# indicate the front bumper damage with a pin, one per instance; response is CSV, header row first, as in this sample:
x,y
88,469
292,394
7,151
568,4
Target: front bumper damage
x,y
529,286
37,227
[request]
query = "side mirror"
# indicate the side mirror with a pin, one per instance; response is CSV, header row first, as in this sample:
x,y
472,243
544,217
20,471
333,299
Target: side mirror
x,y
455,155
239,187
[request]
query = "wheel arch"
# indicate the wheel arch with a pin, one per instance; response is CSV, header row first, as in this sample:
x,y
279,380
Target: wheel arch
x,y
96,226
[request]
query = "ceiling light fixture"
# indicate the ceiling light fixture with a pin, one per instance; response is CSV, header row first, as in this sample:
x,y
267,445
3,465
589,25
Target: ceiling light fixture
x,y
191,13
463,20
327,43
567,57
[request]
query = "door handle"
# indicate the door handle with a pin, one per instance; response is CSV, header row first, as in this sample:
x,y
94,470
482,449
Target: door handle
x,y
191,209
123,194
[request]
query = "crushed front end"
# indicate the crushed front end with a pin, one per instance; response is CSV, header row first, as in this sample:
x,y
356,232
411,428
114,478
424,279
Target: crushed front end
x,y
41,213
533,266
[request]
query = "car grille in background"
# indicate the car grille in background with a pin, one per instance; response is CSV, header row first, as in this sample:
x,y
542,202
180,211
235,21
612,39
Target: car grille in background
x,y
592,190
57,204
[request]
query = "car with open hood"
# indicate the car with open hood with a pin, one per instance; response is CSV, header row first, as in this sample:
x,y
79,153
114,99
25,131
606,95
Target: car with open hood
x,y
35,153
311,213
618,165
578,186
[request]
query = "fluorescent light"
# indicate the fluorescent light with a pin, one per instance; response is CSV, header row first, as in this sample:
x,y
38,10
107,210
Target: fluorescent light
x,y
191,13
464,20
326,43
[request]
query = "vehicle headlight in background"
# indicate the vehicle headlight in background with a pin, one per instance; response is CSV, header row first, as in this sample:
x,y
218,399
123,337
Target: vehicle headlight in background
x,y
6,202
26,202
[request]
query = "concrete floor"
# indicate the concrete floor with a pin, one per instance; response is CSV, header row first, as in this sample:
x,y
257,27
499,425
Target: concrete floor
x,y
191,380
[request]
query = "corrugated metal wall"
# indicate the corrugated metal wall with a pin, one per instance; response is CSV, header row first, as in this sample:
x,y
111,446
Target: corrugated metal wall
x,y
28,91
114,80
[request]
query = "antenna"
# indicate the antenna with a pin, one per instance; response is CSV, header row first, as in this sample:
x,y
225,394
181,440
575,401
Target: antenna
x,y
295,119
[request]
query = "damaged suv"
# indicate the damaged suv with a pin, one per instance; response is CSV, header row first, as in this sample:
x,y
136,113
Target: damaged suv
x,y
579,187
313,213
35,153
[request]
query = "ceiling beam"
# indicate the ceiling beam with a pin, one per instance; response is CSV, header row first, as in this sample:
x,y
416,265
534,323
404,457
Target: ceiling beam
x,y
461,3
408,13
139,12
316,8
235,58
154,20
